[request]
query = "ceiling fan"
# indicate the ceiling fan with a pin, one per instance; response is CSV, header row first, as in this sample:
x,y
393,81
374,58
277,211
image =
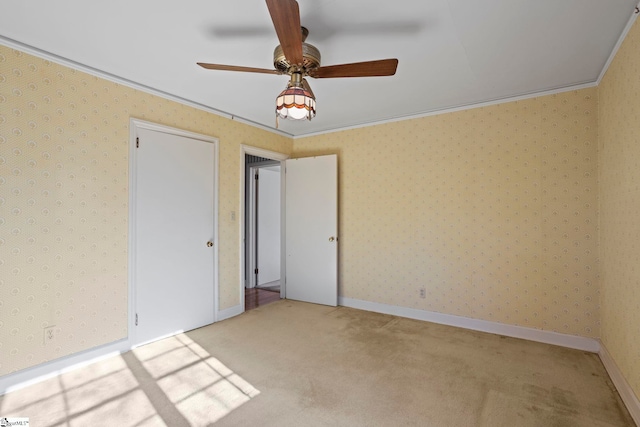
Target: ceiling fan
x,y
298,59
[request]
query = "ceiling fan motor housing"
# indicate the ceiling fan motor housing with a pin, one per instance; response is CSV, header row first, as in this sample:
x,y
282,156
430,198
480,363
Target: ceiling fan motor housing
x,y
310,58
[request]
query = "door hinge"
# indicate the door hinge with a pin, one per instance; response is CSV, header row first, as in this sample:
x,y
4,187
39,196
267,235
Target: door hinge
x,y
255,271
136,319
256,177
137,146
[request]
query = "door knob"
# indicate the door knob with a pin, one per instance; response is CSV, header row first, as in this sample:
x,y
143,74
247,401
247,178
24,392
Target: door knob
x,y
209,244
331,239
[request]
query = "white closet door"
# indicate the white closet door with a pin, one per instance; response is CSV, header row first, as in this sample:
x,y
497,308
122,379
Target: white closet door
x,y
174,223
312,229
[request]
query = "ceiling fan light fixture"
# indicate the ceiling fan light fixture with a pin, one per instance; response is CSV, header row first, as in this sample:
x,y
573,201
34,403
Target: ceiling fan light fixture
x,y
298,59
295,103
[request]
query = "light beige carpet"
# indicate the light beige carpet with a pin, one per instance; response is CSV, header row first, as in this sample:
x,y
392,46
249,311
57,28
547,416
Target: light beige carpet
x,y
297,364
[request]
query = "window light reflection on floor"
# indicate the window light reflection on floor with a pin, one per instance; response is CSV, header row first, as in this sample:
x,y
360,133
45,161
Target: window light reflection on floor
x,y
173,381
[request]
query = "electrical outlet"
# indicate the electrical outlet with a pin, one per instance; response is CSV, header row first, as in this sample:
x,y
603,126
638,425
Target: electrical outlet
x,y
423,293
49,334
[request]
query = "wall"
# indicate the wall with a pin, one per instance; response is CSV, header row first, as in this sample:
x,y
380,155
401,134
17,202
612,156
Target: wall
x,y
492,210
619,168
64,138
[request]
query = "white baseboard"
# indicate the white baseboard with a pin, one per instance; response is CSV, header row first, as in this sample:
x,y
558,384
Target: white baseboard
x,y
230,312
626,392
35,374
26,377
570,341
56,367
547,337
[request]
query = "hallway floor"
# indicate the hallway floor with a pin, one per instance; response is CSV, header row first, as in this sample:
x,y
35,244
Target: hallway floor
x,y
257,297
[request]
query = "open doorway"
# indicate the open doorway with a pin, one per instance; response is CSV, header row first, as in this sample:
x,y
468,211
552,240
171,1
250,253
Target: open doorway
x,y
263,276
308,255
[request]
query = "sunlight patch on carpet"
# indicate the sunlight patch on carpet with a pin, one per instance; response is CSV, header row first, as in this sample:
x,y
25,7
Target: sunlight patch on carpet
x,y
169,382
201,387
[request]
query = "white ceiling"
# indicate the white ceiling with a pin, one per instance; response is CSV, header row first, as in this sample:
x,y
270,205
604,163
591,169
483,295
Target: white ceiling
x,y
452,53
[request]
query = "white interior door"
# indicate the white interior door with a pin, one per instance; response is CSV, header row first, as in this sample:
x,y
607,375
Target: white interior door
x,y
268,219
174,223
311,229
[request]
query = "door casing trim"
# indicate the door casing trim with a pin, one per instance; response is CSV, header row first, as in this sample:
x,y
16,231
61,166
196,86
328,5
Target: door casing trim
x,y
272,155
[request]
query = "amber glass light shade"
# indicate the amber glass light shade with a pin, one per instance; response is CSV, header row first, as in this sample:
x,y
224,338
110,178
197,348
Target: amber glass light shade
x,y
295,103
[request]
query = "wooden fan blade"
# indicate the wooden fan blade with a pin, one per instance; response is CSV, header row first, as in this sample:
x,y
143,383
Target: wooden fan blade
x,y
383,67
305,85
236,68
285,15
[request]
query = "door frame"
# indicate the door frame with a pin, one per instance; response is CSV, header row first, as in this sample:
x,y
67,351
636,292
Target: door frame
x,y
251,227
271,155
134,125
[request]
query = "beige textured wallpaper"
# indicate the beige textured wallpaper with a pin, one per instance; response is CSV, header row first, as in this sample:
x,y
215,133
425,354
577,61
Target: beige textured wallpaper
x,y
492,210
619,140
64,139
